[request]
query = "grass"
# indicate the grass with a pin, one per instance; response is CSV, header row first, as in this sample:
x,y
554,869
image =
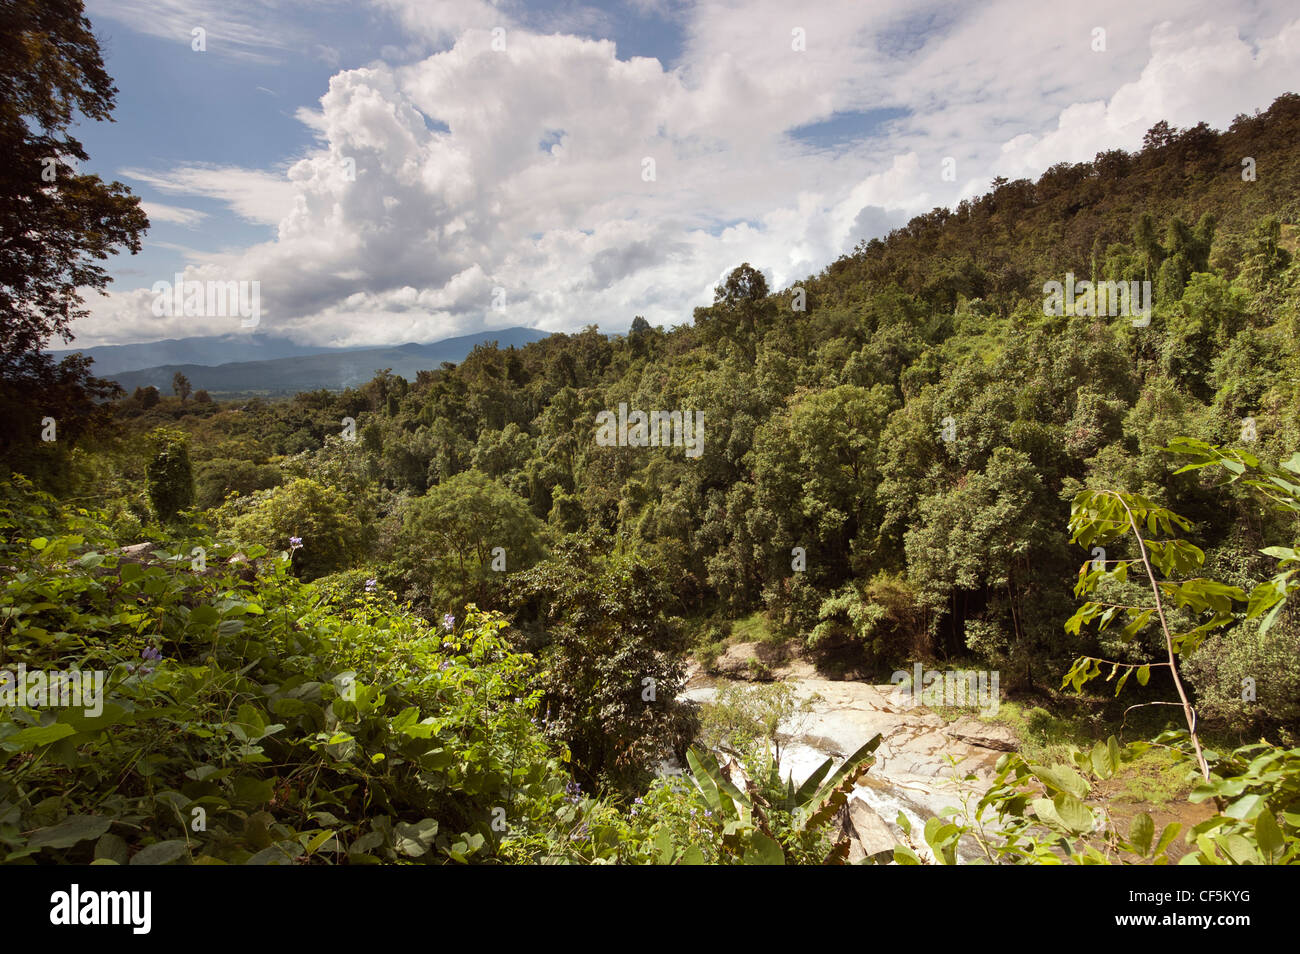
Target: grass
x,y
1156,777
713,637
754,628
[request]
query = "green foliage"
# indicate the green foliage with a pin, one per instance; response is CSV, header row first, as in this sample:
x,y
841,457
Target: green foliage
x,y
461,539
1258,789
884,476
272,728
777,825
749,722
321,517
169,474
1041,814
216,479
613,664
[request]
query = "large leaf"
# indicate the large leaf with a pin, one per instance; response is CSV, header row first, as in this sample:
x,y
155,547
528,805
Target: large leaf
x,y
763,850
70,831
415,839
834,791
160,853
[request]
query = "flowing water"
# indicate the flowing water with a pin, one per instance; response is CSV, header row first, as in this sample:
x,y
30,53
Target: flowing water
x,y
920,765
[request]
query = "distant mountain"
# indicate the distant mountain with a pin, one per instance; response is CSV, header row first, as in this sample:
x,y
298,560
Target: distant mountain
x,y
332,369
208,351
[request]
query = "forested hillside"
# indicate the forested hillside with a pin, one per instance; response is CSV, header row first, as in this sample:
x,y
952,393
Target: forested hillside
x,y
887,459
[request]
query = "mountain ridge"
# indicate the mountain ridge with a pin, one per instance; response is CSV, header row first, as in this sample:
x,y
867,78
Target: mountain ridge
x,y
329,369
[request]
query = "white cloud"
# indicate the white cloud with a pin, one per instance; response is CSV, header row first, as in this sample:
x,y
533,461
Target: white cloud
x,y
159,212
252,30
522,169
442,20
260,197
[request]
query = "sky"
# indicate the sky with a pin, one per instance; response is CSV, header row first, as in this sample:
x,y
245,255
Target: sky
x,y
410,170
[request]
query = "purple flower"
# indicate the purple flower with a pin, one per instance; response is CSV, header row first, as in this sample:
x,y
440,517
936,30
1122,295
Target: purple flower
x,y
448,622
573,792
295,542
370,585
150,654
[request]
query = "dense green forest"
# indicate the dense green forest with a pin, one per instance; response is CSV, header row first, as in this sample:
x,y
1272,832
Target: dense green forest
x,y
417,620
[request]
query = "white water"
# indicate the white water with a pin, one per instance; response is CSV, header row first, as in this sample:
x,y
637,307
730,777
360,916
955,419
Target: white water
x,y
912,773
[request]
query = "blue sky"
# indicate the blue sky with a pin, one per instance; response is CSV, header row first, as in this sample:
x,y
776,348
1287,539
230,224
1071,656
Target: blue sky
x,y
513,166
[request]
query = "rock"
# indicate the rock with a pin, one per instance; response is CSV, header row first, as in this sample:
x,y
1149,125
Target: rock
x,y
912,771
242,567
743,661
136,553
988,735
867,831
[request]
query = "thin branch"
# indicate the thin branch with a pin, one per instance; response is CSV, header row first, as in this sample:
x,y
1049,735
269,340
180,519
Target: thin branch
x,y
1188,714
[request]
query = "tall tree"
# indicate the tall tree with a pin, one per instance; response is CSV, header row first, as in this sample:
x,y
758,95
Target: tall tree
x,y
54,220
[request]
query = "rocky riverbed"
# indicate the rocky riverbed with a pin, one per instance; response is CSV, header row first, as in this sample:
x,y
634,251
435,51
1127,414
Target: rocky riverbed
x,y
914,770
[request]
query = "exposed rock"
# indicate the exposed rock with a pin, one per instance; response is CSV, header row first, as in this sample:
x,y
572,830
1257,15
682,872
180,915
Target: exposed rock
x,y
867,831
749,661
913,771
989,735
136,553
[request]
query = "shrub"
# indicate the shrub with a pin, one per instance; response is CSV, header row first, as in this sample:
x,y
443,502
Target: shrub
x,y
169,477
321,517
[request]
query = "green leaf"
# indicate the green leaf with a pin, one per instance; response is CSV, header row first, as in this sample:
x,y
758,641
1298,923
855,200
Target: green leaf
x,y
1100,761
35,736
1268,834
809,787
1167,836
1245,807
204,615
1073,814
414,840
70,831
318,839
161,853
763,850
1141,832
111,848
1061,778
1143,674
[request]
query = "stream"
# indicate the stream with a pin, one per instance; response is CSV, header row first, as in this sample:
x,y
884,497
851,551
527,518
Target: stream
x,y
913,772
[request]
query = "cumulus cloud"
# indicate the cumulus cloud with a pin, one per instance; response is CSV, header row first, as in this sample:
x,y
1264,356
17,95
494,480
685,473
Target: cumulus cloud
x,y
579,187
